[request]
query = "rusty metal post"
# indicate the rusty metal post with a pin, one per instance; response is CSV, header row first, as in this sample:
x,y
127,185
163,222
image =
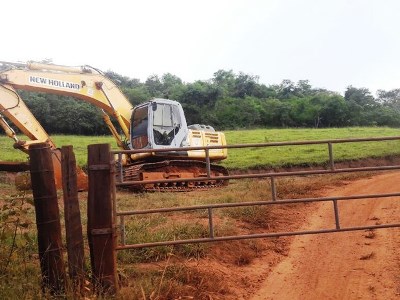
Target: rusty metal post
x,y
101,218
72,216
331,159
336,211
208,163
47,218
273,188
210,222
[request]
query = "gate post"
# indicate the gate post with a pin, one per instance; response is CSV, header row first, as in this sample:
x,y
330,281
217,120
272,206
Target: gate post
x,y
47,218
72,216
101,218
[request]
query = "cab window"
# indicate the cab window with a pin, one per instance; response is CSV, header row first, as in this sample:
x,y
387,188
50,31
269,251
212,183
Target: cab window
x,y
139,128
166,123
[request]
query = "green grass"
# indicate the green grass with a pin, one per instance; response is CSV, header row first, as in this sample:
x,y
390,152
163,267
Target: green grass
x,y
258,157
309,154
80,143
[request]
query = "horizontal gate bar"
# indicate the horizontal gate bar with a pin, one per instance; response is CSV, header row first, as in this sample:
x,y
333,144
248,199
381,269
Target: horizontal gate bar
x,y
253,236
260,145
254,203
264,175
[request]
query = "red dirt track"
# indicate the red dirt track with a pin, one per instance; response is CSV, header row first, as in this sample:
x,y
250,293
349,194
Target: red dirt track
x,y
350,265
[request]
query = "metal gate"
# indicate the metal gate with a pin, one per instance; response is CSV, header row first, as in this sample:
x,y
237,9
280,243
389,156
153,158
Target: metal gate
x,y
330,168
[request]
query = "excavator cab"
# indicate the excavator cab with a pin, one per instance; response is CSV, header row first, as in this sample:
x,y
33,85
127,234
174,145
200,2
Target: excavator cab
x,y
159,123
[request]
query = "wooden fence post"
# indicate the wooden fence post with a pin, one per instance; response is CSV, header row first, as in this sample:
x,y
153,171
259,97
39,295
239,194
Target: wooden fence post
x,y
72,216
47,218
101,218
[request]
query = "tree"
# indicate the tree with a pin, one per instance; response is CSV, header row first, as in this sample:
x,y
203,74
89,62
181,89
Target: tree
x,y
171,86
224,80
359,96
237,113
390,98
154,86
330,110
62,114
303,88
137,95
244,85
359,101
286,89
305,113
200,93
123,81
228,100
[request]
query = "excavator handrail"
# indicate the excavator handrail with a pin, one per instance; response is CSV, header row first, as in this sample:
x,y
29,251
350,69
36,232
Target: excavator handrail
x,y
40,66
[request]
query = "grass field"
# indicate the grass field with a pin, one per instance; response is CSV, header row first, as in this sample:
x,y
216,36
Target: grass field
x,y
80,143
258,157
309,154
170,272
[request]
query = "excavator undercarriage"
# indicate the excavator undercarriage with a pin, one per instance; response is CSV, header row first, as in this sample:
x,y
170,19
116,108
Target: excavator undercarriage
x,y
175,171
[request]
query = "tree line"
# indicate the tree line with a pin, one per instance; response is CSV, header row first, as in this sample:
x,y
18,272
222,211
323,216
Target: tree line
x,y
228,101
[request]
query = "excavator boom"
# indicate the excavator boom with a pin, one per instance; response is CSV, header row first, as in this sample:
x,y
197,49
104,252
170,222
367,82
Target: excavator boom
x,y
84,83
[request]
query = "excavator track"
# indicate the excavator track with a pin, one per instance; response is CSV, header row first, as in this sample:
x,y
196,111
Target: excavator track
x,y
174,169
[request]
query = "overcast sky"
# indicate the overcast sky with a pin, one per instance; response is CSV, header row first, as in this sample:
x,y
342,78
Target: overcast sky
x,y
332,43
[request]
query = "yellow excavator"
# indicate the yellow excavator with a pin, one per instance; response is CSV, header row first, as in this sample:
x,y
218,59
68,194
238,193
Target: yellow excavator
x,y
156,124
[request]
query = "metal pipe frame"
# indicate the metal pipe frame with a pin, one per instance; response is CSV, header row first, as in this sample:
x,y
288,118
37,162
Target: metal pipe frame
x,y
272,176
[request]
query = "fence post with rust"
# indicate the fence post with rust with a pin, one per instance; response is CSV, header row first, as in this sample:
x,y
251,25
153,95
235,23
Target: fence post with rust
x,y
47,218
72,216
101,219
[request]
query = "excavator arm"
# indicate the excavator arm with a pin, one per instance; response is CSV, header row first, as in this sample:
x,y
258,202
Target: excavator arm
x,y
12,107
84,83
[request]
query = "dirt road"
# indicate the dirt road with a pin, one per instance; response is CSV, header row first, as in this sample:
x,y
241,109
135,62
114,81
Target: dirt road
x,y
351,265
